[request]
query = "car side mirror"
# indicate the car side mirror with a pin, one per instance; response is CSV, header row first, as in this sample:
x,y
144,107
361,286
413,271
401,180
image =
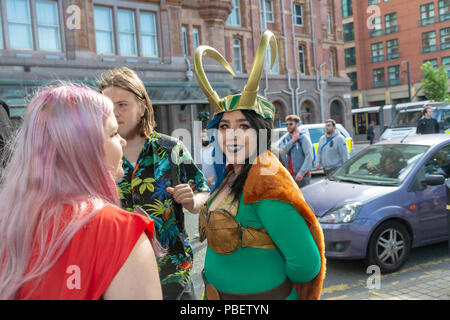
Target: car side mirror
x,y
434,180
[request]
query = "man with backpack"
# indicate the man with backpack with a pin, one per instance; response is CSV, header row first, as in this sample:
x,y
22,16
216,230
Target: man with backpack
x,y
297,152
332,151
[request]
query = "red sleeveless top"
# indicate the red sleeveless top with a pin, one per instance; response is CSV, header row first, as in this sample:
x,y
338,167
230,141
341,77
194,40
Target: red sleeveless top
x,y
94,256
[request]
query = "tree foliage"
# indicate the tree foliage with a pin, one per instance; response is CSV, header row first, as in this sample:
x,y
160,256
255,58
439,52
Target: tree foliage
x,y
434,83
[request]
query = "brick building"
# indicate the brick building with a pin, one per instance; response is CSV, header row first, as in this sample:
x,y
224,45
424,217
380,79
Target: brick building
x,y
383,36
44,40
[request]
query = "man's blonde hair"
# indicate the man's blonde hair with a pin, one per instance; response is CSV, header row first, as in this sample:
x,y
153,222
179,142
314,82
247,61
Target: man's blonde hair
x,y
426,108
127,79
293,117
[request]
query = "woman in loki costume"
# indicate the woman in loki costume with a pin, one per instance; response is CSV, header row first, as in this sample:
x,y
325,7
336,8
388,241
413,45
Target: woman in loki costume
x,y
264,241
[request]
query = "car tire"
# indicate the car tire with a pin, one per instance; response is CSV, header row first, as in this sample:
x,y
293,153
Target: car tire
x,y
389,247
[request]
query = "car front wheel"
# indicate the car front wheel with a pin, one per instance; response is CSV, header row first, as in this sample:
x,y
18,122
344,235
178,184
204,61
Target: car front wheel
x,y
389,247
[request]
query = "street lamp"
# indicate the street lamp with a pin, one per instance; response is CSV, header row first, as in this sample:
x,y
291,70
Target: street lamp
x,y
409,78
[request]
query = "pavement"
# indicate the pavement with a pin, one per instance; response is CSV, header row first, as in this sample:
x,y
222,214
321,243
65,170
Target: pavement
x,y
432,285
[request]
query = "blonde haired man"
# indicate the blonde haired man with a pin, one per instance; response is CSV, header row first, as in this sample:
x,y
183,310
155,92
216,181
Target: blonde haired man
x,y
297,152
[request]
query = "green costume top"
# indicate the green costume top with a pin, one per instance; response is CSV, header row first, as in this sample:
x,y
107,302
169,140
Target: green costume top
x,y
252,270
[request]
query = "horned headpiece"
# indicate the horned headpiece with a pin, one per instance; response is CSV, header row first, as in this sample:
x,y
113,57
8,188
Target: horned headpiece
x,y
249,98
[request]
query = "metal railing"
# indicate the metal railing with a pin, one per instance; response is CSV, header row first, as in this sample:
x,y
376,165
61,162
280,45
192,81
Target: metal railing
x,y
427,21
379,84
377,58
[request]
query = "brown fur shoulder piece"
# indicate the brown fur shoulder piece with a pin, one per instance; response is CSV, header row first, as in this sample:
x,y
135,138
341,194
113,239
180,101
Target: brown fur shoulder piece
x,y
268,179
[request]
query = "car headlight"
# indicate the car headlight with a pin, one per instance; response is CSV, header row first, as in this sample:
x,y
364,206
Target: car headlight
x,y
343,213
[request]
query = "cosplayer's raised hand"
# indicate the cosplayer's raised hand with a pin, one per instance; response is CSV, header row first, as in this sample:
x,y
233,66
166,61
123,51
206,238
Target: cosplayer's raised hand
x,y
184,195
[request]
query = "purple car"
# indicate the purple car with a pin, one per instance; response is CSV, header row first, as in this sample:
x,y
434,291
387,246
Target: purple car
x,y
387,199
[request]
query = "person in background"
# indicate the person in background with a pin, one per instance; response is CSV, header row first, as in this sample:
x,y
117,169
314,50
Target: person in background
x,y
263,240
332,151
371,132
160,178
207,160
297,151
391,163
6,128
63,233
427,124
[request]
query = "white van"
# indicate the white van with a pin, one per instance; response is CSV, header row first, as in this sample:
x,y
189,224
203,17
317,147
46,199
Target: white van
x,y
408,115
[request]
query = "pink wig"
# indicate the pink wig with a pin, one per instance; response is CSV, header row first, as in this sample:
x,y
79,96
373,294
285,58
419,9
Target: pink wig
x,y
57,162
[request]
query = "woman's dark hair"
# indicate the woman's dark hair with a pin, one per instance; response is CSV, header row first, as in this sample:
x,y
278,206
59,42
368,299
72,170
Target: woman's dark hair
x,y
258,123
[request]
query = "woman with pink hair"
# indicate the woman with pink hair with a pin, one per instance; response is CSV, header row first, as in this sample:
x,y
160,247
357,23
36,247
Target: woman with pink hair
x,y
62,233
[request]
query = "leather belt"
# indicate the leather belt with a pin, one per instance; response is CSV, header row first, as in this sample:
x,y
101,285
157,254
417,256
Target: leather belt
x,y
278,293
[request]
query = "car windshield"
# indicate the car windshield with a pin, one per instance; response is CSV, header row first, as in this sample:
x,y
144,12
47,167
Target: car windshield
x,y
386,165
407,118
315,134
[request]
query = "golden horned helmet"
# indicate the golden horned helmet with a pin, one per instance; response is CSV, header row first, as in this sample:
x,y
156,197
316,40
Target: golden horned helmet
x,y
249,98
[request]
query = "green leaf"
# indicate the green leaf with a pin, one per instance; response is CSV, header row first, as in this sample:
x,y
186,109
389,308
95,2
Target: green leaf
x,y
142,188
136,182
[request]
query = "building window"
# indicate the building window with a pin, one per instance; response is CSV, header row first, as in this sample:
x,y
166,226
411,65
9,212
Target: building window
x,y
376,29
378,78
19,24
372,2
301,58
445,38
444,10
195,38
298,14
350,56
377,52
48,25
355,102
390,23
392,49
394,75
133,31
354,79
330,25
446,63
127,32
429,42
237,55
31,25
149,38
184,40
234,19
266,12
427,14
275,69
349,34
347,9
433,62
103,30
333,62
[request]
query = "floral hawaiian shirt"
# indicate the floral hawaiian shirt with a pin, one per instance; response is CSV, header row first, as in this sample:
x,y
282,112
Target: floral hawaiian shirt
x,y
144,186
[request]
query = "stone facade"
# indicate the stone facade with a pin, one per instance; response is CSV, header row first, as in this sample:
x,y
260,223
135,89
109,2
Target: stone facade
x,y
296,86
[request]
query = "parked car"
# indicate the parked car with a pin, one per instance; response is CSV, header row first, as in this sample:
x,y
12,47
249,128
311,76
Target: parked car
x,y
314,132
387,199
